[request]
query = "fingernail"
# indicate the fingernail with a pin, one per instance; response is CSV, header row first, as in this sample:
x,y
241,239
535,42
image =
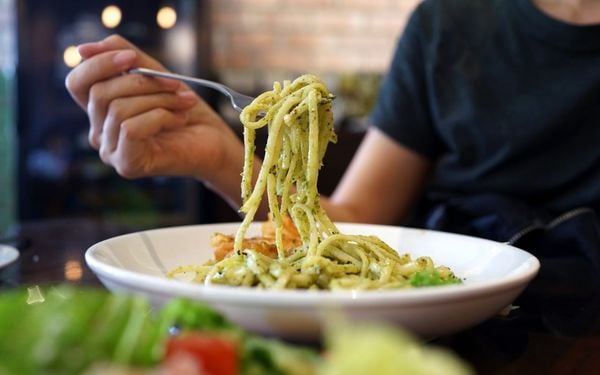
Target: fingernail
x,y
124,57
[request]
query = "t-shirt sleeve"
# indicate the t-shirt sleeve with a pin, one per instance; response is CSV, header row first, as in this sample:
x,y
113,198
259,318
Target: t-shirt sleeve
x,y
402,110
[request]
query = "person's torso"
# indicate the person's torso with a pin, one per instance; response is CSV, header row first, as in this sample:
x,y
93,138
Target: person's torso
x,y
515,99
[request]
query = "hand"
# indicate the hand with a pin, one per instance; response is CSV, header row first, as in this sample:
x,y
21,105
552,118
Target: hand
x,y
145,126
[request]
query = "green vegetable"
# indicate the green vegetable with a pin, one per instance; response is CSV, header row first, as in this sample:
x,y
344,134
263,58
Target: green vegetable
x,y
267,356
183,315
64,330
431,278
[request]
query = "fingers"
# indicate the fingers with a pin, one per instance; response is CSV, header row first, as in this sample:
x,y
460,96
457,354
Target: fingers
x,y
103,93
137,153
148,124
130,114
124,110
112,42
103,60
99,68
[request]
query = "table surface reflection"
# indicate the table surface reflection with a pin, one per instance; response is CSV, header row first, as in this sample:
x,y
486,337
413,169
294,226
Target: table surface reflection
x,y
53,252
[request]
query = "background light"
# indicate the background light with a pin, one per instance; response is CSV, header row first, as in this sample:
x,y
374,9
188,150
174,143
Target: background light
x,y
73,270
166,17
71,56
111,16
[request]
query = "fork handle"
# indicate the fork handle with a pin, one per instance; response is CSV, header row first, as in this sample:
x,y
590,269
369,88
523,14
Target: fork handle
x,y
179,77
238,101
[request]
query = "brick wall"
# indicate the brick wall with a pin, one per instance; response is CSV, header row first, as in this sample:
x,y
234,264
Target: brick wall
x,y
346,42
258,41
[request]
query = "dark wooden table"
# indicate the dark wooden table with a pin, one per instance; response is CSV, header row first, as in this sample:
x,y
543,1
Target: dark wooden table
x,y
521,343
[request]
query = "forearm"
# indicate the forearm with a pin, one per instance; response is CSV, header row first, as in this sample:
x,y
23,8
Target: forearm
x,y
381,184
227,184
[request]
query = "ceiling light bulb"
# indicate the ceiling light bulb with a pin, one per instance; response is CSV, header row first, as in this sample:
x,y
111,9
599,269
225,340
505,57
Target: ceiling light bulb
x,y
111,16
166,17
71,56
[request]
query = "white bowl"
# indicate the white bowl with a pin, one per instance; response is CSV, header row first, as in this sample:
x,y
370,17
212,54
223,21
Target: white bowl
x,y
494,275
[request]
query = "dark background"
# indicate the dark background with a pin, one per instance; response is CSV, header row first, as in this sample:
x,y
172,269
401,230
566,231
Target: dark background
x,y
59,175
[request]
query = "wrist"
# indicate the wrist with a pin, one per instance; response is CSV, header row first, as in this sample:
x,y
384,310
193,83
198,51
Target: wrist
x,y
224,176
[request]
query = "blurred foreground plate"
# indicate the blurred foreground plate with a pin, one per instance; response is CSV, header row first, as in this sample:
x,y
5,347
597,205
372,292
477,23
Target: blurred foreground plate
x,y
494,275
8,254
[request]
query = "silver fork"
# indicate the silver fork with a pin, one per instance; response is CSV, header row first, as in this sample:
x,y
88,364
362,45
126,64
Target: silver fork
x,y
238,101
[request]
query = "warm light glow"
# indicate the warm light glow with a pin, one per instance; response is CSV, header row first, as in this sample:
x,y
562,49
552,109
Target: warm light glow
x,y
111,16
73,270
166,17
71,56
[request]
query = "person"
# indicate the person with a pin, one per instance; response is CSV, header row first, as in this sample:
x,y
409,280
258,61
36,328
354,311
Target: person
x,y
486,124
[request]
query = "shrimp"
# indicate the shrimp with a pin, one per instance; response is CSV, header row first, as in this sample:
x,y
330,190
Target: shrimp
x,y
264,244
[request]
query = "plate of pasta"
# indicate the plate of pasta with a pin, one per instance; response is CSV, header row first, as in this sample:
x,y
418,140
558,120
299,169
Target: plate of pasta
x,y
492,275
289,275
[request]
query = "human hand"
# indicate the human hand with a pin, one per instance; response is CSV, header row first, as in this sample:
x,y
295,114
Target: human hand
x,y
146,126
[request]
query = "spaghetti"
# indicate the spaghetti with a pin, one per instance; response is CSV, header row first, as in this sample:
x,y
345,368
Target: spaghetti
x,y
299,118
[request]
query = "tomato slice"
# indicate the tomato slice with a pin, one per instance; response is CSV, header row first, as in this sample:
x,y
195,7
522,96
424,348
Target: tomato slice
x,y
215,355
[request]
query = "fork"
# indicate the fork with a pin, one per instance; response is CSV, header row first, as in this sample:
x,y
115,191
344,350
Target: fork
x,y
238,101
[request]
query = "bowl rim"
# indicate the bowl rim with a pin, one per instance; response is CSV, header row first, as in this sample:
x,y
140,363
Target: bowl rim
x,y
249,296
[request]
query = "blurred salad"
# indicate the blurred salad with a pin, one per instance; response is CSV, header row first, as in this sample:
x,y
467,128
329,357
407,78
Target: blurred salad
x,y
68,330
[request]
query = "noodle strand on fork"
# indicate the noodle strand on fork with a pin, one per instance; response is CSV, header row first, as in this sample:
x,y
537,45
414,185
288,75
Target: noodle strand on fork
x,y
299,118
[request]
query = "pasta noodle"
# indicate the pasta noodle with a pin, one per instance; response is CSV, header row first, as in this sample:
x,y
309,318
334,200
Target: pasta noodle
x,y
299,118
